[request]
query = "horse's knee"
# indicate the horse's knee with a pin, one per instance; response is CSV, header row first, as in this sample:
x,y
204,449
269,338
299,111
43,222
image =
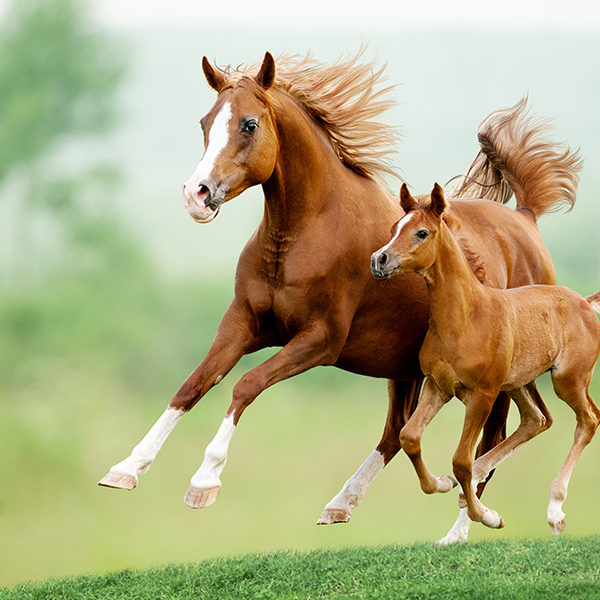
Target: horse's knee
x,y
244,393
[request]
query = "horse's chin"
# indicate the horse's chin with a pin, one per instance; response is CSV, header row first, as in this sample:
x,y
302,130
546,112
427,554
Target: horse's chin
x,y
204,214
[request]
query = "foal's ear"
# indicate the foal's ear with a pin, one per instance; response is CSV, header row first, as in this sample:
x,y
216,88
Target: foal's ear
x,y
407,202
438,201
266,75
215,78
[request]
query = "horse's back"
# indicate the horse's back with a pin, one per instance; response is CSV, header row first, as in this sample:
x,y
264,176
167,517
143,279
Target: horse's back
x,y
506,243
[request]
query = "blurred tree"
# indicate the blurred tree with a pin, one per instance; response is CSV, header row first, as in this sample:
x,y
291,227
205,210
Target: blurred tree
x,y
58,77
58,82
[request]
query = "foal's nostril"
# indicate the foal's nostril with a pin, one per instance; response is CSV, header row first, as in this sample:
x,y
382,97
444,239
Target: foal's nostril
x,y
382,259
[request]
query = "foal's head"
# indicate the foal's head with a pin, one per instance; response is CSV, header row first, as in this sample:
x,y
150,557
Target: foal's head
x,y
412,247
239,140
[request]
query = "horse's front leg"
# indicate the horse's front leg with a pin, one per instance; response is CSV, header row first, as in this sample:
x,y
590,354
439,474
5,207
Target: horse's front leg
x,y
403,398
306,350
231,342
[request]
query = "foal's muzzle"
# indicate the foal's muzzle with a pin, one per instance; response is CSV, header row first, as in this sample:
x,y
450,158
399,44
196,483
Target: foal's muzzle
x,y
384,264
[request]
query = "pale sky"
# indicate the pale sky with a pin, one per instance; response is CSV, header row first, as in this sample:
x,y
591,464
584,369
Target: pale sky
x,y
359,15
352,15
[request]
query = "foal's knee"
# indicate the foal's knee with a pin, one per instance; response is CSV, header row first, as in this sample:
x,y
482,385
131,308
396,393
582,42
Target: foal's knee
x,y
410,441
462,468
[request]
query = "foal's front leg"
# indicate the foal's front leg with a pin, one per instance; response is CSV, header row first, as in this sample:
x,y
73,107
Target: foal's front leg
x,y
306,350
231,342
478,406
431,401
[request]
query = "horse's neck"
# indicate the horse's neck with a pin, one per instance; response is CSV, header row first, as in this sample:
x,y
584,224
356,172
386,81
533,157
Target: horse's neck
x,y
306,173
454,291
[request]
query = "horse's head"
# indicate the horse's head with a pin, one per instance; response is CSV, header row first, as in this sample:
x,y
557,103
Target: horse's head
x,y
412,246
239,141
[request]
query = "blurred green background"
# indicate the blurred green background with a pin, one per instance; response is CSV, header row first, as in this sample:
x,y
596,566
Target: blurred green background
x,y
110,295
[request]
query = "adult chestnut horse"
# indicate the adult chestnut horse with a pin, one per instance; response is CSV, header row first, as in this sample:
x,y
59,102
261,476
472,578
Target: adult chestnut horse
x,y
305,132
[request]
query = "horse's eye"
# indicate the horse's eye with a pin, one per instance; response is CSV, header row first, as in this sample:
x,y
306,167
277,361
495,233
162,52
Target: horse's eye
x,y
249,125
203,122
422,233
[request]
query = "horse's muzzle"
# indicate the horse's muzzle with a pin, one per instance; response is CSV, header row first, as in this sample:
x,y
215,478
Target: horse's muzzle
x,y
202,201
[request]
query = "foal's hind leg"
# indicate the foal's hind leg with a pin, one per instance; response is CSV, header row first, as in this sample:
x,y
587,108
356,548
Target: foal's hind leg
x,y
535,418
403,398
576,395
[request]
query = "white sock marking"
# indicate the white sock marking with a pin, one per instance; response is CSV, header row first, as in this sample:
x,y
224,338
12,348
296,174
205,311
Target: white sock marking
x,y
145,452
215,457
354,489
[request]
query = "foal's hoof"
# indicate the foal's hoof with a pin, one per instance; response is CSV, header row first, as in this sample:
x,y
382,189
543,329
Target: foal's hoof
x,y
493,520
557,528
201,498
121,481
334,515
446,483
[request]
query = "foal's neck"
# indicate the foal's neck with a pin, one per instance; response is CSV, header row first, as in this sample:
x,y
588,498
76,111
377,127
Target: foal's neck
x,y
454,290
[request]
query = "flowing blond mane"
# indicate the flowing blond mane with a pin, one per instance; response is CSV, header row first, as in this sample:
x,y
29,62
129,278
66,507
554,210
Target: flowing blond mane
x,y
343,97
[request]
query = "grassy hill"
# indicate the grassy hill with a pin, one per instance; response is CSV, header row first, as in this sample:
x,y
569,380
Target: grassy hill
x,y
557,568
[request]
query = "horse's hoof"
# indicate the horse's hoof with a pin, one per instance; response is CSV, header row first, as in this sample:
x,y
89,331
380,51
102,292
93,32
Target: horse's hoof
x,y
334,515
557,528
121,481
201,498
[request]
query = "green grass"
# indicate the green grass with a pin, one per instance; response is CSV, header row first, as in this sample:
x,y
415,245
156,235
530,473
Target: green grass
x,y
556,568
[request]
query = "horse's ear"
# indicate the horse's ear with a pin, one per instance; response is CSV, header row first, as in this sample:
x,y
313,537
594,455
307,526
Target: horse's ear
x,y
266,75
407,202
215,78
438,201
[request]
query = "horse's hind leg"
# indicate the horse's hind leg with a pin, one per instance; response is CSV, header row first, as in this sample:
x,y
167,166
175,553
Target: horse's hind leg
x,y
403,398
576,395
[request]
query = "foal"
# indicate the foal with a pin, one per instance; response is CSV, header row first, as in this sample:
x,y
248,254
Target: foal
x,y
483,340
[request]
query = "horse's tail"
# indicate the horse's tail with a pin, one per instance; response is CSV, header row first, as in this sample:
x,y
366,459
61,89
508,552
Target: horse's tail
x,y
594,300
517,157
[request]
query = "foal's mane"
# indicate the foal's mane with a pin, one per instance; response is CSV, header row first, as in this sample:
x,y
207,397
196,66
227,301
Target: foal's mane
x,y
343,97
473,258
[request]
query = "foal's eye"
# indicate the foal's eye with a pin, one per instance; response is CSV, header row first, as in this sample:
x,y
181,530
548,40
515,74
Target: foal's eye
x,y
422,233
249,125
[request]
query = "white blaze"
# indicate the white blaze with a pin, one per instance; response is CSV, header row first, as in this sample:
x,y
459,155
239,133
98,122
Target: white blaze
x,y
403,222
218,138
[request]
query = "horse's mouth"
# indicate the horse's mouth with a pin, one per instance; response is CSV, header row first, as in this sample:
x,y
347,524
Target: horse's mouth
x,y
206,215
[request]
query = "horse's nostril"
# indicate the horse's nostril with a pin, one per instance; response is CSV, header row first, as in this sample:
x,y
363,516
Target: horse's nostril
x,y
203,189
382,259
